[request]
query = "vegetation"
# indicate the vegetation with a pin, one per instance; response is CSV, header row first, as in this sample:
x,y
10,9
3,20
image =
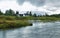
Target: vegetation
x,y
7,22
10,19
10,12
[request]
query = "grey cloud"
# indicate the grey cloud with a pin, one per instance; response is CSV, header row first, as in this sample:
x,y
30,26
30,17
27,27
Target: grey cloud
x,y
37,2
51,9
54,3
20,1
33,2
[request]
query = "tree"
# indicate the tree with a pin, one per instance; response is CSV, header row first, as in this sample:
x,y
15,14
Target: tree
x,y
27,13
1,13
34,15
30,14
46,14
17,12
9,12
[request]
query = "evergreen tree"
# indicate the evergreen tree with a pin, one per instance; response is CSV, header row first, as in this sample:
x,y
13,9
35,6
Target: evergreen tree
x,y
1,13
30,13
46,14
35,15
27,13
9,12
17,12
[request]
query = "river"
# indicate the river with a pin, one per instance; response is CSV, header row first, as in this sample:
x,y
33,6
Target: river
x,y
37,30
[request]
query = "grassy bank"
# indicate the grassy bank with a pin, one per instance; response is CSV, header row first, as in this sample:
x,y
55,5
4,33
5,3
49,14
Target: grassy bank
x,y
8,22
15,18
41,18
49,18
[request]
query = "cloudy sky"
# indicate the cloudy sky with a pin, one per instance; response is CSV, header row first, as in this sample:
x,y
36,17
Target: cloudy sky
x,y
49,6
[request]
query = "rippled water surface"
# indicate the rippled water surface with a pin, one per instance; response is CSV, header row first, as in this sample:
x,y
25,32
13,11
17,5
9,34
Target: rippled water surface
x,y
37,30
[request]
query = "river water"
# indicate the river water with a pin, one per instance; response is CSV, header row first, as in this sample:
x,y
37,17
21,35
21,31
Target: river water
x,y
37,30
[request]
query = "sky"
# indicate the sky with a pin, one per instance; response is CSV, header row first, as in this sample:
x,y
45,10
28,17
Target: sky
x,y
48,6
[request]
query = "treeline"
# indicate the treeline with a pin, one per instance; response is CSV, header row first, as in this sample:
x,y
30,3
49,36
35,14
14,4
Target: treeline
x,y
10,12
53,15
45,15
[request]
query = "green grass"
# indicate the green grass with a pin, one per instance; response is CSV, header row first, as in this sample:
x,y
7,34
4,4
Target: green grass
x,y
44,18
8,22
49,18
28,18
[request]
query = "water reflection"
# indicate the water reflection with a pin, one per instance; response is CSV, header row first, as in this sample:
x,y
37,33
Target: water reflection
x,y
4,34
38,30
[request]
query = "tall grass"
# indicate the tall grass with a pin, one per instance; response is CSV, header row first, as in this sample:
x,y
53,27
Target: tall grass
x,y
7,22
15,22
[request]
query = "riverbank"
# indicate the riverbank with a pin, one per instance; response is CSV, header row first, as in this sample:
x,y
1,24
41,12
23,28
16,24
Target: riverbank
x,y
8,22
43,18
13,24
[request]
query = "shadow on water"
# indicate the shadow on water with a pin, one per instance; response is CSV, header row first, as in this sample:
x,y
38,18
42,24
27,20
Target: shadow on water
x,y
38,30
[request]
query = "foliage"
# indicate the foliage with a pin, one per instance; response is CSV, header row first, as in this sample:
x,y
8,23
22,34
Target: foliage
x,y
30,13
35,15
17,12
10,20
1,13
10,12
